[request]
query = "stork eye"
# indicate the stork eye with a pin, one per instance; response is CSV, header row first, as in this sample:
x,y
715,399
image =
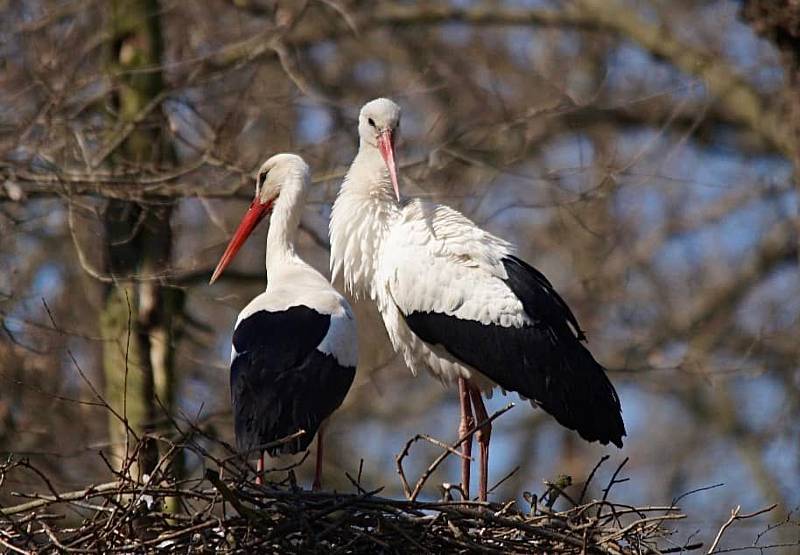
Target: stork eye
x,y
262,177
371,122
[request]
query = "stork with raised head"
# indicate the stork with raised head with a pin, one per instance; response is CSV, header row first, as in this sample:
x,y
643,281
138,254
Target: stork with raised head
x,y
456,301
294,345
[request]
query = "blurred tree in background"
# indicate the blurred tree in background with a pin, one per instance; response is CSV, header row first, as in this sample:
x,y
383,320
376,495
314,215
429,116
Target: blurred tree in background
x,y
644,155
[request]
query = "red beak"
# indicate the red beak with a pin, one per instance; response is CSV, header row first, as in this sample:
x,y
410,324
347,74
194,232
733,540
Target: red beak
x,y
250,220
386,146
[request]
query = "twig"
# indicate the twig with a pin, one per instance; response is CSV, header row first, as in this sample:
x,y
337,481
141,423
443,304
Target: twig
x,y
228,495
412,494
504,478
588,481
13,548
735,515
43,500
125,515
611,484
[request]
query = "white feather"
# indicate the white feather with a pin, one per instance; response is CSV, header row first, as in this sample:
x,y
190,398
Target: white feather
x,y
340,342
418,257
291,280
437,260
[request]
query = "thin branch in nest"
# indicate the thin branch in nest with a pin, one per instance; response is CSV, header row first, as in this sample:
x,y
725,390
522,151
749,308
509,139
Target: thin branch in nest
x,y
126,515
504,479
588,481
611,483
448,450
736,515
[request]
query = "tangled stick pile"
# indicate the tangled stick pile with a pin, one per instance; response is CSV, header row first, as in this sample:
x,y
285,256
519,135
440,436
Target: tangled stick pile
x,y
225,511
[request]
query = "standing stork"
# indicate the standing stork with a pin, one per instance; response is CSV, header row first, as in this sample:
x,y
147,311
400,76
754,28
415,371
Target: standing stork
x,y
294,345
457,302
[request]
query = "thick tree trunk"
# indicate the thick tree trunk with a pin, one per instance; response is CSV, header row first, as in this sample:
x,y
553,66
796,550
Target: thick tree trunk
x,y
139,315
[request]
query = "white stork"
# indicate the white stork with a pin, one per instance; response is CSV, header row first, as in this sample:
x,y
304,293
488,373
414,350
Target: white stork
x,y
457,302
294,345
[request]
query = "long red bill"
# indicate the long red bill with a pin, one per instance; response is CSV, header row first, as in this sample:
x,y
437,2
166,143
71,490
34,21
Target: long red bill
x,y
386,146
250,220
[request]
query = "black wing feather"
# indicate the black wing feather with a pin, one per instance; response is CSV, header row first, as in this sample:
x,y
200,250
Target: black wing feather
x,y
539,298
545,362
280,382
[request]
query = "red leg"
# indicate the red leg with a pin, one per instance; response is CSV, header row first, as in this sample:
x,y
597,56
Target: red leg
x,y
467,422
260,469
483,435
317,485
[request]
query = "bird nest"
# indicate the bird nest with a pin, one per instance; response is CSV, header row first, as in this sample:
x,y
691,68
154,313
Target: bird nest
x,y
224,510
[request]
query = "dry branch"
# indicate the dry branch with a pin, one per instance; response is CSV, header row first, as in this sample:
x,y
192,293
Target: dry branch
x,y
129,515
736,514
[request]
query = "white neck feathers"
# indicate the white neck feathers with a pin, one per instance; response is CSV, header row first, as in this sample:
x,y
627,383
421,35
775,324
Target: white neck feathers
x,y
284,221
362,214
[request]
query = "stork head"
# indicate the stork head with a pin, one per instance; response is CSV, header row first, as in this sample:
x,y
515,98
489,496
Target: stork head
x,y
379,127
279,172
